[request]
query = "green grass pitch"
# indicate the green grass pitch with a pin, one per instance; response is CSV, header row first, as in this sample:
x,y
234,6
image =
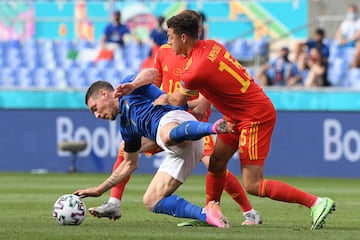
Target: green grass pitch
x,y
26,202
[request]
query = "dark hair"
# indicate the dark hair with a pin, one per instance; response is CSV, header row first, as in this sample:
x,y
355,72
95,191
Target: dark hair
x,y
161,20
94,89
184,23
203,16
320,32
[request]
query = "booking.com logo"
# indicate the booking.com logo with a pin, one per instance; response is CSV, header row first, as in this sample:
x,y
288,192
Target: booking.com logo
x,y
102,141
339,143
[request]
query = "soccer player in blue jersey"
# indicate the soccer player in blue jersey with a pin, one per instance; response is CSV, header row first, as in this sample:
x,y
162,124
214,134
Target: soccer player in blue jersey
x,y
170,127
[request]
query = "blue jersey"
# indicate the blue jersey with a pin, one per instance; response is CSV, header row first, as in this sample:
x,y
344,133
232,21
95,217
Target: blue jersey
x,y
138,117
115,33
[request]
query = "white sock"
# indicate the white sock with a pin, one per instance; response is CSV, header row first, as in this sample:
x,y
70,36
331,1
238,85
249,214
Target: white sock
x,y
318,200
250,211
116,202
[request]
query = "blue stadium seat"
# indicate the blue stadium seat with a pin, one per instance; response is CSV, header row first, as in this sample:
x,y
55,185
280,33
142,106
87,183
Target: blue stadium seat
x,y
336,72
58,78
41,78
242,50
23,77
353,78
93,74
7,77
112,75
76,77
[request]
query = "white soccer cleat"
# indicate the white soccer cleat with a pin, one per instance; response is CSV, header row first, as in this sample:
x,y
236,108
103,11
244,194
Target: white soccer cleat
x,y
108,210
252,218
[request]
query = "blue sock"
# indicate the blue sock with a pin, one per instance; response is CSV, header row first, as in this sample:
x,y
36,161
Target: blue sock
x,y
177,206
190,130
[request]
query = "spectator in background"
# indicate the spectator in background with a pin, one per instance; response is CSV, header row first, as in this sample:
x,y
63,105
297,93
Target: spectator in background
x,y
203,27
279,71
356,60
158,37
302,49
115,33
159,34
317,69
348,32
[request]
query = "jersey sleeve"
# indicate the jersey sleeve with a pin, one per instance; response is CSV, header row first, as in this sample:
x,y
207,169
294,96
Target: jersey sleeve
x,y
133,144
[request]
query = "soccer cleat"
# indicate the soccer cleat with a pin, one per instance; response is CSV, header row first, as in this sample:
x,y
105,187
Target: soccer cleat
x,y
214,215
106,210
252,218
193,223
320,211
222,126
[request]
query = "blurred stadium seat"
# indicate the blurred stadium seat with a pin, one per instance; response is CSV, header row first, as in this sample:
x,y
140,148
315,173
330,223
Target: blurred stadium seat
x,y
353,78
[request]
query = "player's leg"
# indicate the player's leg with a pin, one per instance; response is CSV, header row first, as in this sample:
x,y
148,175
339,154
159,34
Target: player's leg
x,y
217,170
175,168
255,150
234,189
111,209
191,129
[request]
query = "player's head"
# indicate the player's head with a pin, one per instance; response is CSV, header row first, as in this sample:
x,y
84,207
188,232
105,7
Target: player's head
x,y
100,101
183,28
198,16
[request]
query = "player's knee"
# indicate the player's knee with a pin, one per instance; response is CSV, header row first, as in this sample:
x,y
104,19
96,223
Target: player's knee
x,y
217,164
148,202
251,187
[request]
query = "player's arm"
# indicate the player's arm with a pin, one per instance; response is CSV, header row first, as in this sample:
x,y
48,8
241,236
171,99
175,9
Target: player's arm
x,y
145,77
123,171
199,107
177,98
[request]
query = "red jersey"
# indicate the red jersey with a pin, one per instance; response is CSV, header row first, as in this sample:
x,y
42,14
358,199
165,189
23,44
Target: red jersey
x,y
170,67
216,74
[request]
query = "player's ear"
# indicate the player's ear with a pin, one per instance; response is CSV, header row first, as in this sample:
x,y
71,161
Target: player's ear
x,y
183,37
103,93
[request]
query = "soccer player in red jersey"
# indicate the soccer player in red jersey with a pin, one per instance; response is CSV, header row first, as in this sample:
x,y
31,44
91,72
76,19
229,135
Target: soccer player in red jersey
x,y
170,68
212,71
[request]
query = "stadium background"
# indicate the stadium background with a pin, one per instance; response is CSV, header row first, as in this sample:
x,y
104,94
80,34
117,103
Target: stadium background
x,y
317,133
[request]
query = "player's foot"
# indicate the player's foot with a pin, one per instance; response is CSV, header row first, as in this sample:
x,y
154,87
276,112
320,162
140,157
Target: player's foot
x,y
214,215
320,211
252,218
193,223
106,210
222,126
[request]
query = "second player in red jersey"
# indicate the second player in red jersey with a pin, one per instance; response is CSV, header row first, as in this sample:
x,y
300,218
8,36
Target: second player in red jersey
x,y
213,72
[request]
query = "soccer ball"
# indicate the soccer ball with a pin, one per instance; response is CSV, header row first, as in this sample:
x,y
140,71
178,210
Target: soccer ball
x,y
69,209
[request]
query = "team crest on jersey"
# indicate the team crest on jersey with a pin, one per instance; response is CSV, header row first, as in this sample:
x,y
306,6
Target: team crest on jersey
x,y
177,71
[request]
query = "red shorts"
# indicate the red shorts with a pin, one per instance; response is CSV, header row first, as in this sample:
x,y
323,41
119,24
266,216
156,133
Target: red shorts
x,y
251,138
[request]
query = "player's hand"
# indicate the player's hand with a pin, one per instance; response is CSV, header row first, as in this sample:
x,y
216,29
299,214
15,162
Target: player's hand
x,y
89,192
123,89
200,113
162,100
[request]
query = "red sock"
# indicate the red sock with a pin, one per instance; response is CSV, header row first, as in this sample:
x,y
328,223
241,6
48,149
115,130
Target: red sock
x,y
215,183
236,192
118,190
280,191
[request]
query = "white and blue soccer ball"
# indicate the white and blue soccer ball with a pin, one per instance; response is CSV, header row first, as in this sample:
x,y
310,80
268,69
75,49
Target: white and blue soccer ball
x,y
69,209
